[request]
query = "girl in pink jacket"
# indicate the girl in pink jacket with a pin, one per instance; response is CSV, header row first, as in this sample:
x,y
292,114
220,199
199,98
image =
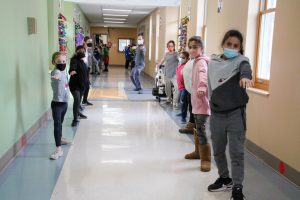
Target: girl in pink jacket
x,y
200,103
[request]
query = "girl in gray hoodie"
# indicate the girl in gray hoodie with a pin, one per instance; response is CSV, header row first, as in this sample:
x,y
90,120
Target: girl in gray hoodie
x,y
59,104
229,74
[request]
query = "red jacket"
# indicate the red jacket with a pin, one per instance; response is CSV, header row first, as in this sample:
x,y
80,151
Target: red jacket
x,y
179,77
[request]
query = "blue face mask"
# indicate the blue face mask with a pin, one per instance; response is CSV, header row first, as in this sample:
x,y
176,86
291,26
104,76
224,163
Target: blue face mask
x,y
230,53
181,61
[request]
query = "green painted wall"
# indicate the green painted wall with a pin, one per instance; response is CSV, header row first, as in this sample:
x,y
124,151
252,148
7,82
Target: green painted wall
x,y
54,8
24,78
73,13
68,13
25,62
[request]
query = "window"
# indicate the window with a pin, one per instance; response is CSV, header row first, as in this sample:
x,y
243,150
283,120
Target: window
x,y
150,37
265,42
157,36
123,43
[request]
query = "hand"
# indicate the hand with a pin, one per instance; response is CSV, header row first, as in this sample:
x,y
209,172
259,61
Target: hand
x,y
246,83
55,77
200,94
73,72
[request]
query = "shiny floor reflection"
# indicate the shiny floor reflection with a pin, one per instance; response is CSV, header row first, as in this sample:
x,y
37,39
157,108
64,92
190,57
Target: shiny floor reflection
x,y
140,156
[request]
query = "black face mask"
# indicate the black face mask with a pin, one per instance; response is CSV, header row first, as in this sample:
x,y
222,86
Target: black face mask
x,y
89,44
80,55
61,67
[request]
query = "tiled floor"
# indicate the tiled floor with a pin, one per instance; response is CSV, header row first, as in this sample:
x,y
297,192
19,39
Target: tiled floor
x,y
126,150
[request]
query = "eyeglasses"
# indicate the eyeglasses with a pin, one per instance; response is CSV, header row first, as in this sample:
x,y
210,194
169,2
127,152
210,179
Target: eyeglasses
x,y
194,47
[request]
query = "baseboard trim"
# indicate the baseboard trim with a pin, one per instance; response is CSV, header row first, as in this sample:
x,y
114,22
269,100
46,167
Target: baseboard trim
x,y
279,166
10,155
148,77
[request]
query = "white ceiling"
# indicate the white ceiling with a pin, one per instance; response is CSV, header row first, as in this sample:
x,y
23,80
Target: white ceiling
x,y
139,10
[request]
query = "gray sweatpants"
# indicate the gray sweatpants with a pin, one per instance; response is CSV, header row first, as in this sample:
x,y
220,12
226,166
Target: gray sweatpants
x,y
230,127
169,82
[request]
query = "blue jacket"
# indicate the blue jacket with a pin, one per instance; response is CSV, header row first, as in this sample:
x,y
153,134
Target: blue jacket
x,y
127,53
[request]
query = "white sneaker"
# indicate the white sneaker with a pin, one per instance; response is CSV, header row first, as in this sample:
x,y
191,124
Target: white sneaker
x,y
56,154
64,141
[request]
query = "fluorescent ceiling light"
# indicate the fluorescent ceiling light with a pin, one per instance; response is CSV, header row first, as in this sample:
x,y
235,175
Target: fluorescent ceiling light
x,y
118,10
113,15
114,22
114,19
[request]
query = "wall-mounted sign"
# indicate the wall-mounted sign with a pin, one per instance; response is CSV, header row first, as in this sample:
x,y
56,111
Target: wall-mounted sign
x,y
220,5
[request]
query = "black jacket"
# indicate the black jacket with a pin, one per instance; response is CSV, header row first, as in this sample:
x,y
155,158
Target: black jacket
x,y
78,81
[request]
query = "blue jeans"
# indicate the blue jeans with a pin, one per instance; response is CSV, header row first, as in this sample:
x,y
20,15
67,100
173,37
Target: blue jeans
x,y
184,103
135,76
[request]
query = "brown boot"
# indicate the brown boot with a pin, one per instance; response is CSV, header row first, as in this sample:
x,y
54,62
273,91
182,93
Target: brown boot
x,y
205,154
195,154
188,128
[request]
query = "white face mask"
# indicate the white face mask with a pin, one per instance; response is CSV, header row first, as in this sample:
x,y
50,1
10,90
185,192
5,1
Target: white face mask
x,y
181,61
140,42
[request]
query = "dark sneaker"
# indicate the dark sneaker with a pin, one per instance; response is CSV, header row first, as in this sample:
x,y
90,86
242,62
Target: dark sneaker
x,y
136,89
237,194
82,116
74,123
221,184
89,103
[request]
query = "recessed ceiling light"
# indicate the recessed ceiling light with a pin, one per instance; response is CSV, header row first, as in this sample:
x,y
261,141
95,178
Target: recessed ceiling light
x,y
113,15
105,26
114,22
114,19
117,10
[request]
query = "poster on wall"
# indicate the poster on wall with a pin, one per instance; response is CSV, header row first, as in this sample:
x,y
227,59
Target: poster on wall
x,y
182,34
79,35
62,35
220,5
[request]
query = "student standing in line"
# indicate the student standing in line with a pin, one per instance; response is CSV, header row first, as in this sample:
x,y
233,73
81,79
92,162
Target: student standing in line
x,y
200,103
90,63
78,81
229,75
139,65
170,61
127,56
96,67
187,78
106,57
183,93
132,56
59,104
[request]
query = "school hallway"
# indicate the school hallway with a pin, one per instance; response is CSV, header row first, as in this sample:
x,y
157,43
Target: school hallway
x,y
126,149
130,147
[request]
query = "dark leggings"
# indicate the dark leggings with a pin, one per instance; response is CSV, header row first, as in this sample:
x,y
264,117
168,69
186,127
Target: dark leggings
x,y
127,64
192,119
77,95
86,93
59,110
